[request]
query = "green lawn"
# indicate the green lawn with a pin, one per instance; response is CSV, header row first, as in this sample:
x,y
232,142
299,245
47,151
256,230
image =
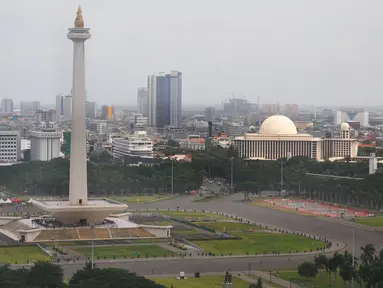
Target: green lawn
x,y
131,251
203,282
228,226
371,221
197,216
22,254
259,243
321,281
139,198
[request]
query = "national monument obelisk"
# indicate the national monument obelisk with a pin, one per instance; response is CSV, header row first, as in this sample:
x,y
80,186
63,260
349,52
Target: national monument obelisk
x,y
79,208
78,187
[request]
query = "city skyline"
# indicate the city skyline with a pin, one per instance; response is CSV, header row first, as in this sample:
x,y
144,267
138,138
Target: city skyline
x,y
283,53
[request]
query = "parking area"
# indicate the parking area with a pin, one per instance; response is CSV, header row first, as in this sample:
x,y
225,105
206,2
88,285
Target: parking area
x,y
317,209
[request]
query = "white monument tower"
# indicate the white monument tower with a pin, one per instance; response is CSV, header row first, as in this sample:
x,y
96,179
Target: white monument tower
x,y
78,190
79,208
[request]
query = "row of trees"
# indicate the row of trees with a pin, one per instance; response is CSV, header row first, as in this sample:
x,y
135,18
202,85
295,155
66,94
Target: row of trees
x,y
368,269
47,275
52,178
107,177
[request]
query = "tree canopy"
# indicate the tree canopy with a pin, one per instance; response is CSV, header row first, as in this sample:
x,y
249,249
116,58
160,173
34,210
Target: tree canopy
x,y
340,182
47,275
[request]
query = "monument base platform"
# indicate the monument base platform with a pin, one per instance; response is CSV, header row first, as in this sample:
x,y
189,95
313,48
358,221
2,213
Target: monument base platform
x,y
42,229
95,211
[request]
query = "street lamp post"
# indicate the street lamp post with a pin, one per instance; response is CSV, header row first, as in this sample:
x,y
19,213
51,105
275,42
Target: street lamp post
x,y
281,175
353,254
231,177
92,228
172,176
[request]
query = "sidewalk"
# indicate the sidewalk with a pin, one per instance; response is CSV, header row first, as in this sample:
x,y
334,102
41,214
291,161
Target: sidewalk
x,y
274,280
235,274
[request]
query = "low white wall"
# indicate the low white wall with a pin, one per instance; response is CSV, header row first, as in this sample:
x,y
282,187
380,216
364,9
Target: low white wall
x,y
30,235
5,220
158,231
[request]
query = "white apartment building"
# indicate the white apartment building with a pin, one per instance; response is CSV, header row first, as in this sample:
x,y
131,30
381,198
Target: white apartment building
x,y
29,108
193,144
138,144
10,146
6,106
361,116
99,126
43,116
25,144
45,145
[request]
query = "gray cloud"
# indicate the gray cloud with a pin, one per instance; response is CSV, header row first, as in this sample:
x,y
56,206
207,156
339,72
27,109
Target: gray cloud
x,y
295,51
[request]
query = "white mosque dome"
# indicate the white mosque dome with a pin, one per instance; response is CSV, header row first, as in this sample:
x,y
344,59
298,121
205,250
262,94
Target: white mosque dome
x,y
344,126
278,125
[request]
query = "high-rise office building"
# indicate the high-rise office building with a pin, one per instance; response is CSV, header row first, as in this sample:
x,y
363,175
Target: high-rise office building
x,y
142,101
90,109
67,108
7,106
175,83
107,112
63,105
209,114
165,99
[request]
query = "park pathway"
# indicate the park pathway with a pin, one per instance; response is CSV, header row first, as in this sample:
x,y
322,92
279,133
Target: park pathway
x,y
239,275
274,280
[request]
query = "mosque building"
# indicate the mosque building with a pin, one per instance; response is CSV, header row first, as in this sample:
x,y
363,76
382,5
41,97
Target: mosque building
x,y
278,138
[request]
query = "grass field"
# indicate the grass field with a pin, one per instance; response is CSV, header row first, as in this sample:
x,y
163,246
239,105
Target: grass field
x,y
321,281
140,198
228,226
193,215
82,242
131,251
203,282
22,254
260,243
371,221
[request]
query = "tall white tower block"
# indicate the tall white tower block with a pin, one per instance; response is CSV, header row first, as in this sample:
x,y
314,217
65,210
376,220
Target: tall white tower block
x,y
78,189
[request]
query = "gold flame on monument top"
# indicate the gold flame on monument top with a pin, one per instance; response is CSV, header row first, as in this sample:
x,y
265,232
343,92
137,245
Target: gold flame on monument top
x,y
79,22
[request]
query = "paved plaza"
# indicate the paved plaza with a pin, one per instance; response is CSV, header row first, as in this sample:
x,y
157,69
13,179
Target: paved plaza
x,y
317,209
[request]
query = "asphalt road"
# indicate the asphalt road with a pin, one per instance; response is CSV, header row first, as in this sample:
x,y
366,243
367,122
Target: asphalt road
x,y
233,205
306,224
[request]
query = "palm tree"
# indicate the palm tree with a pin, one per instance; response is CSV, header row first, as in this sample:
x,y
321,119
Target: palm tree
x,y
347,268
333,264
368,253
320,262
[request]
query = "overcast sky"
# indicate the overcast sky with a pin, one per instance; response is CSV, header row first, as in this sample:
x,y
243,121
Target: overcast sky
x,y
291,51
